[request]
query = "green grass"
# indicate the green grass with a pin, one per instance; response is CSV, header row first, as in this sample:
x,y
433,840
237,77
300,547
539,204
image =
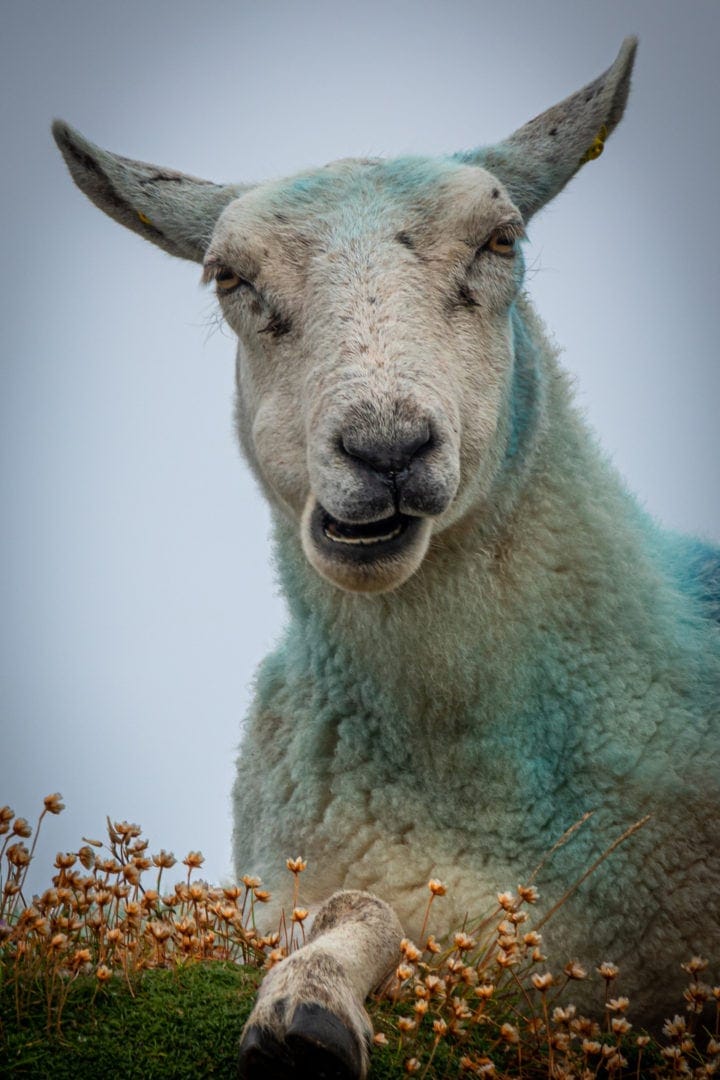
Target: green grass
x,y
176,1023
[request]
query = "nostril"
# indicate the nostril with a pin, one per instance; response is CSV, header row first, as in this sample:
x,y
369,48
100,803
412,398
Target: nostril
x,y
383,455
422,441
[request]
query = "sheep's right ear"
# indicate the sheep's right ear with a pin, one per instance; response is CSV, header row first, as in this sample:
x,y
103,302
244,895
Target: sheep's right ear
x,y
177,212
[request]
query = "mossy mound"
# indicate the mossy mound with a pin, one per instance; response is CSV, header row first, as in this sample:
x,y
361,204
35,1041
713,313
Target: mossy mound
x,y
178,1023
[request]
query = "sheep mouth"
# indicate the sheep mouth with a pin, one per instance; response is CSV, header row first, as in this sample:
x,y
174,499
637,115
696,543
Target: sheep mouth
x,y
362,541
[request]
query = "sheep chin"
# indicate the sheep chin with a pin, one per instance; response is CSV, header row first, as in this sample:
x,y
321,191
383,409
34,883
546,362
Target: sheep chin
x,y
363,568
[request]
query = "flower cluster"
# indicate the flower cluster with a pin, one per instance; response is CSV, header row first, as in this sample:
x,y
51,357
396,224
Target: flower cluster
x,y
490,1000
109,912
484,1001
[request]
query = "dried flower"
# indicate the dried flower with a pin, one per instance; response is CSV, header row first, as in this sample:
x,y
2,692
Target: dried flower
x,y
608,971
406,1024
79,958
437,888
675,1028
296,866
194,859
18,855
54,803
575,971
86,855
409,950
64,862
159,930
694,965
131,874
696,994
21,827
164,859
542,982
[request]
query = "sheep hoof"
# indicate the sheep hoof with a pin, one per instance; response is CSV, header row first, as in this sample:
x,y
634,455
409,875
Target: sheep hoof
x,y
323,1046
317,1044
263,1055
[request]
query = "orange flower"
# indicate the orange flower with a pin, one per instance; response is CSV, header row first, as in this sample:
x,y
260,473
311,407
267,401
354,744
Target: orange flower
x,y
54,803
575,971
409,950
608,971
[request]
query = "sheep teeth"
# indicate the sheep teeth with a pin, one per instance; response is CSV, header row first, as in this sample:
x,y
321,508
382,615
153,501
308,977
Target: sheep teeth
x,y
367,540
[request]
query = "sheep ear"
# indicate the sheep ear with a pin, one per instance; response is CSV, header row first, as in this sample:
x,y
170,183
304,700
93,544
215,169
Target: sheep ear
x,y
537,161
177,212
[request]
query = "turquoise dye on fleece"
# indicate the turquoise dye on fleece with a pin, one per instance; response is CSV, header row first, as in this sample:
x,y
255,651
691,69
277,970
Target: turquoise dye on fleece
x,y
558,656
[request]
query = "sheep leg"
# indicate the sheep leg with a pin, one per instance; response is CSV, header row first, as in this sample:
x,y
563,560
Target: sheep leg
x,y
309,1018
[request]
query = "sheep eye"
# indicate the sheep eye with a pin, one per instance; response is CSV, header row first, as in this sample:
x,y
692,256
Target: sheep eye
x,y
228,281
501,244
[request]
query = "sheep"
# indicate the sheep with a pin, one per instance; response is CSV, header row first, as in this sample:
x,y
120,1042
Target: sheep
x,y
488,637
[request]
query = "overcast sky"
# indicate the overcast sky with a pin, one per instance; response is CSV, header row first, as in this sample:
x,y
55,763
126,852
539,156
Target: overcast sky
x,y
137,589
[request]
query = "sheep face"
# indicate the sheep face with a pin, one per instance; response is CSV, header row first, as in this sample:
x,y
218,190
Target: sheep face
x,y
372,305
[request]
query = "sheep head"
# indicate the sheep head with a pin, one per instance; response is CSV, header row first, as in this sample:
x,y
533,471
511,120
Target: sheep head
x,y
374,305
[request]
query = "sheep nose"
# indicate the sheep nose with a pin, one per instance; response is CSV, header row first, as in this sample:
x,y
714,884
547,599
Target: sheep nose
x,y
386,456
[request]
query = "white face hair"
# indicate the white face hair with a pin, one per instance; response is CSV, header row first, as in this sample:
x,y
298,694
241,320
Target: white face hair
x,y
371,302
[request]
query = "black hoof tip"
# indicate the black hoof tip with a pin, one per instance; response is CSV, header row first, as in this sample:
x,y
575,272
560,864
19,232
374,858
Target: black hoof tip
x,y
322,1046
263,1057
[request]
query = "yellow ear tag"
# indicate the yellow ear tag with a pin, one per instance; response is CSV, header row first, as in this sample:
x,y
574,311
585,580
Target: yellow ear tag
x,y
597,147
145,220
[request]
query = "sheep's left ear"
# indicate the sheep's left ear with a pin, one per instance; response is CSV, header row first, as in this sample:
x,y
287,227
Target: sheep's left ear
x,y
537,161
171,209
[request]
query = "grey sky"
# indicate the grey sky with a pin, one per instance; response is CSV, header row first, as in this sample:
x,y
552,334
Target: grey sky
x,y
137,591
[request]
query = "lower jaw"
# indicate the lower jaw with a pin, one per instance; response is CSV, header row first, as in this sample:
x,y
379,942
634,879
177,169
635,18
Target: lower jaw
x,y
365,567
